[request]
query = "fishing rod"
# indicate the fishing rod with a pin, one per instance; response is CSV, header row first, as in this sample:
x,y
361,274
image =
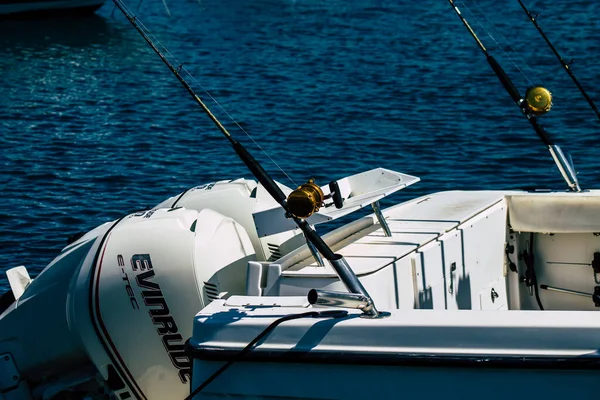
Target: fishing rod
x,y
566,66
300,204
537,102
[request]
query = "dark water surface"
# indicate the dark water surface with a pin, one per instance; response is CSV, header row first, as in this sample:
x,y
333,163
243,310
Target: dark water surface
x,y
93,126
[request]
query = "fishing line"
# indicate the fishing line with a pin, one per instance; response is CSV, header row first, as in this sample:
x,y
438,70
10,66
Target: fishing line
x,y
167,8
181,68
506,41
566,66
498,44
294,205
536,102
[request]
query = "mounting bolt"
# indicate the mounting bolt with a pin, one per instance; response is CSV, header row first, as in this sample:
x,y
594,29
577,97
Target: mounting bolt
x,y
6,358
494,295
596,263
16,378
596,296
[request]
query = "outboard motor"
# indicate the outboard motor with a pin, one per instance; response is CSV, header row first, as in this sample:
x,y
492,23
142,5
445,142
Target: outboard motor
x,y
110,315
108,318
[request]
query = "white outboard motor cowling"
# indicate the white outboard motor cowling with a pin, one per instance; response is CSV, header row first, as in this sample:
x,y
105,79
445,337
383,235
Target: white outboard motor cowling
x,y
112,312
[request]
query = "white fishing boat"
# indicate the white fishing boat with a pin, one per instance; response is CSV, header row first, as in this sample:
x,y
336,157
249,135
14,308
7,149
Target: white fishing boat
x,y
226,291
17,8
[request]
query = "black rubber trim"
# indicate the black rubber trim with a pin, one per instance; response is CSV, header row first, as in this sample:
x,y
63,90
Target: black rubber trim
x,y
98,324
6,299
386,359
180,196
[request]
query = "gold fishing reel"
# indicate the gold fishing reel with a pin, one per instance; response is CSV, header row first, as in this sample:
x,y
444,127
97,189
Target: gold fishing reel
x,y
305,200
538,101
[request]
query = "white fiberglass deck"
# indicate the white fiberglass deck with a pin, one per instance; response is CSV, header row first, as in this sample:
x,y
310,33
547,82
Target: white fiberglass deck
x,y
460,311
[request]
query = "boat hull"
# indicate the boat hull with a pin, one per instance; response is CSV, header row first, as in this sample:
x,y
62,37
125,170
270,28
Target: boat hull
x,y
47,8
460,354
255,380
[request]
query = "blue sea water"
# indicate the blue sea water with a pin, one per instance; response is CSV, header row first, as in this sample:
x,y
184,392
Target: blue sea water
x,y
93,126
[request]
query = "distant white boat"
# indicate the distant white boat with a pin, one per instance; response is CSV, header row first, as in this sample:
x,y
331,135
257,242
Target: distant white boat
x,y
9,8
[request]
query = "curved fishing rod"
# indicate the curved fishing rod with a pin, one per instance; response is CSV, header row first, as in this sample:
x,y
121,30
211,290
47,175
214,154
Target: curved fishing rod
x,y
307,196
537,101
567,67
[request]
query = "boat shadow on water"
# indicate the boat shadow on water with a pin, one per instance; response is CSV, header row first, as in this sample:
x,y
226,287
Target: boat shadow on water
x,y
19,34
